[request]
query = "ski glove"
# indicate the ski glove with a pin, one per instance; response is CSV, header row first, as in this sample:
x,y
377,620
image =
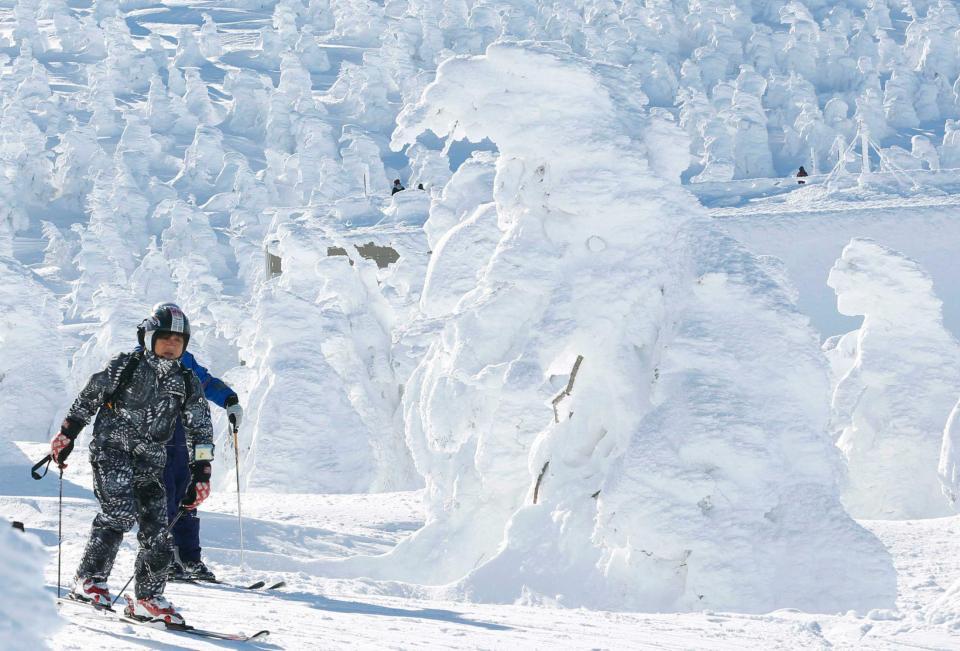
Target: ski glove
x,y
199,488
62,444
234,411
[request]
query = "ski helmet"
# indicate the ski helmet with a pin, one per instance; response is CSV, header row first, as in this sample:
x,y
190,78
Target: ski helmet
x,y
165,317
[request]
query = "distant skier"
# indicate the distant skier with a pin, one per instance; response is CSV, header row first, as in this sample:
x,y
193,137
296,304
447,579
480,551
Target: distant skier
x,y
137,400
801,173
397,187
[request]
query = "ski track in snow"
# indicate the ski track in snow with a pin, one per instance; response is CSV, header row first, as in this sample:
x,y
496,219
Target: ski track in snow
x,y
284,531
312,612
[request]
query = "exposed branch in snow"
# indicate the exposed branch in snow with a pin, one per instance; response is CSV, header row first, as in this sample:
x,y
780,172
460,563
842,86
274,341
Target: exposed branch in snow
x,y
536,488
566,392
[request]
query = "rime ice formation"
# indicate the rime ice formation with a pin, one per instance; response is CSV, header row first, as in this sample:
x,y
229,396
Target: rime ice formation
x,y
949,468
597,421
896,380
31,385
331,350
150,154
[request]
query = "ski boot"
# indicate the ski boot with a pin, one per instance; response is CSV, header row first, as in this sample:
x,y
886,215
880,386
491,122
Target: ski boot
x,y
176,572
91,590
197,571
153,609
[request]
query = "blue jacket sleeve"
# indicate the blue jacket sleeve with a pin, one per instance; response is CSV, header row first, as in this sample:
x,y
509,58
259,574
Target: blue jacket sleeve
x,y
214,389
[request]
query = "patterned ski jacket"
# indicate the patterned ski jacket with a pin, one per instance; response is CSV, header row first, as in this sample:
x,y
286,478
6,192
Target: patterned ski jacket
x,y
142,418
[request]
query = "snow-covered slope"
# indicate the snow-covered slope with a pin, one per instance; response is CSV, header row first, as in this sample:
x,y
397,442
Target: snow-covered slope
x,y
612,403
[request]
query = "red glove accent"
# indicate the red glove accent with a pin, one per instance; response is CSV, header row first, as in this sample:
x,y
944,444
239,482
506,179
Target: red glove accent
x,y
60,448
201,491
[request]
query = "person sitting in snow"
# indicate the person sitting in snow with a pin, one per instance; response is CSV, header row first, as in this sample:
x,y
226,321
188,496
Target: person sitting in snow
x,y
397,187
137,400
800,174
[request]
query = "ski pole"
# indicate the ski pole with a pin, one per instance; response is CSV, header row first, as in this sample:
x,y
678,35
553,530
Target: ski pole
x,y
165,533
45,462
59,531
236,452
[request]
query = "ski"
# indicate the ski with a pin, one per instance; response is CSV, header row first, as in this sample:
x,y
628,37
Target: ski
x,y
193,630
120,616
259,585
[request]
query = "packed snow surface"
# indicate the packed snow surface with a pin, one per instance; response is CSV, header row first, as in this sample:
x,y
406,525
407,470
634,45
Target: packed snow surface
x,y
283,534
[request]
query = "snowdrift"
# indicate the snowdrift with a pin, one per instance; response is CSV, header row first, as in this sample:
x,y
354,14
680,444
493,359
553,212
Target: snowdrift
x,y
27,613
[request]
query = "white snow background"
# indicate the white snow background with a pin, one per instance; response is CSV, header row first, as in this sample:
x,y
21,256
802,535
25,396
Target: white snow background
x,y
611,379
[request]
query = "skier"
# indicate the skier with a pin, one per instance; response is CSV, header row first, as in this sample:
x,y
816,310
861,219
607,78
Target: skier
x,y
397,187
137,399
187,563
801,173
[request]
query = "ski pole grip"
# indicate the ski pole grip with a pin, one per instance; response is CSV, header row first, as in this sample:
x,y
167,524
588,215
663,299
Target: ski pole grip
x,y
33,471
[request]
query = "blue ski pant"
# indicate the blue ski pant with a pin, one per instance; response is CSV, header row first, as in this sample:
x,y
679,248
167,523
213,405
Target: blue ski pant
x,y
176,478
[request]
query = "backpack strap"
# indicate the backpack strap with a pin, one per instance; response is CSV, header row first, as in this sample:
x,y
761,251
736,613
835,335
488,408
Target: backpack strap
x,y
187,384
125,377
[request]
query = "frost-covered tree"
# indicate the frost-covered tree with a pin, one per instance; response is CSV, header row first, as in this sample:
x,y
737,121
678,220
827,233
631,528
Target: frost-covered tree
x,y
251,100
209,40
949,467
752,147
188,53
360,94
308,49
202,163
105,257
159,109
950,147
316,145
25,161
197,99
285,22
137,149
363,165
190,246
103,107
33,367
79,159
343,378
319,16
871,114
26,31
126,68
925,151
588,446
898,96
59,251
428,166
896,380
